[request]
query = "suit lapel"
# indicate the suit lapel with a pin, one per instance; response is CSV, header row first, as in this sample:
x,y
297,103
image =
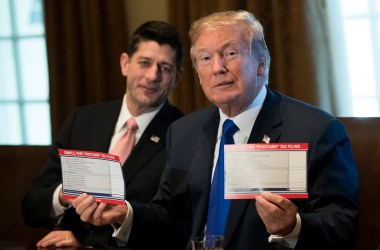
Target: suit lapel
x,y
200,172
104,126
267,123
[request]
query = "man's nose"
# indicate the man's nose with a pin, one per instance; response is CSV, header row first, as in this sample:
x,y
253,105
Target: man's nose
x,y
153,73
218,65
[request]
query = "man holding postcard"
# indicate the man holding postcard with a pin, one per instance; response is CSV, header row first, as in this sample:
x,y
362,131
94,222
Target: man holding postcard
x,y
152,67
231,58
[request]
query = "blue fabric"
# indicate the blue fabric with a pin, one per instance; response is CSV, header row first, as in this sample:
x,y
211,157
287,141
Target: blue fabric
x,y
218,206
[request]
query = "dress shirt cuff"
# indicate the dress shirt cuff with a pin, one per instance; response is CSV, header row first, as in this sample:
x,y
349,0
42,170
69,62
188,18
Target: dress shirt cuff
x,y
122,233
57,209
291,239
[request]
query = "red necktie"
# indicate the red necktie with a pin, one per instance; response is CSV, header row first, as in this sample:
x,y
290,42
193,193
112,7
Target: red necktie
x,y
126,142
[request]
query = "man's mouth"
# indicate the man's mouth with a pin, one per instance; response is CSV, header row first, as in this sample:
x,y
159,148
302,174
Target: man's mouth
x,y
149,90
223,84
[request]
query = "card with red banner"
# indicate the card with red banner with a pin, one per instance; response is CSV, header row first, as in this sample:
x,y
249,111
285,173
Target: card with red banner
x,y
95,173
280,168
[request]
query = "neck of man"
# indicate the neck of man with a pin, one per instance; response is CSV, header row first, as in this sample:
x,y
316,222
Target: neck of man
x,y
138,109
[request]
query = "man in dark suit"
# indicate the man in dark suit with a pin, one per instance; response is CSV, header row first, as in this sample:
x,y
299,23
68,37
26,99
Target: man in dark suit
x,y
231,58
152,68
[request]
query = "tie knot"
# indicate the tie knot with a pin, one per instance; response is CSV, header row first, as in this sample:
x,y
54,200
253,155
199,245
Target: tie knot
x,y
229,128
132,124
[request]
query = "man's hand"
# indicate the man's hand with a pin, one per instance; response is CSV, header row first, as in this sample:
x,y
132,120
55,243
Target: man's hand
x,y
64,202
277,213
99,213
58,239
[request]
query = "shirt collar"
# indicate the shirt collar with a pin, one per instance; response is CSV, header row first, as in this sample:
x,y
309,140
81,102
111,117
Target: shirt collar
x,y
142,120
246,119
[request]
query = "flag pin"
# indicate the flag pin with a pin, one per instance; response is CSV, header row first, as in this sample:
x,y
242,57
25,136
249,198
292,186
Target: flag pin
x,y
155,138
266,139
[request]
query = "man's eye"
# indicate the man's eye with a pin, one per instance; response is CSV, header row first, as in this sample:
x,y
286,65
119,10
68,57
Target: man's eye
x,y
204,59
144,63
231,54
166,69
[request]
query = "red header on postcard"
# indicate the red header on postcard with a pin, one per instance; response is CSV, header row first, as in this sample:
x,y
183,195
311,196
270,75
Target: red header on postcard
x,y
88,154
267,146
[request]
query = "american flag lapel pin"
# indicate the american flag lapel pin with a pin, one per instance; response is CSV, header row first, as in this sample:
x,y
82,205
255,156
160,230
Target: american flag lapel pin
x,y
266,139
155,138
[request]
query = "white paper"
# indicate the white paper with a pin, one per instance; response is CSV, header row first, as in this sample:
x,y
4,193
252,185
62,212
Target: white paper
x,y
253,168
94,173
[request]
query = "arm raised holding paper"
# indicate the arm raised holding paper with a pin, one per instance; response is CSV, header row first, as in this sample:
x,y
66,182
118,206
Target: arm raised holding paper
x,y
277,213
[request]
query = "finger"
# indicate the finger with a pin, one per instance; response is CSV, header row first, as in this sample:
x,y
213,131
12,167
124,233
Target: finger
x,y
98,214
85,203
64,202
87,214
65,242
268,211
47,237
277,219
263,204
79,199
277,200
47,242
261,207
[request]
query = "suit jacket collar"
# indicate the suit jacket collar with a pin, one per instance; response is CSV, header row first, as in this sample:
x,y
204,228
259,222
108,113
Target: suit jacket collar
x,y
104,127
200,174
268,120
151,141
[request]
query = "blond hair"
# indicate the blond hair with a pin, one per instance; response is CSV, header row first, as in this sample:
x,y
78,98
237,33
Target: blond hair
x,y
245,21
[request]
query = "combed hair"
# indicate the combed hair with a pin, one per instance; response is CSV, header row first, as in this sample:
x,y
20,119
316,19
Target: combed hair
x,y
160,32
252,29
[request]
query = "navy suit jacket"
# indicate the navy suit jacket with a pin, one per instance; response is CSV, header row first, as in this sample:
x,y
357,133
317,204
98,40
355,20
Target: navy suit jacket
x,y
179,209
91,128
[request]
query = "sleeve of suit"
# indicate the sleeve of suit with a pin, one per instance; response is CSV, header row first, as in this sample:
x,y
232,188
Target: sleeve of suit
x,y
330,217
37,203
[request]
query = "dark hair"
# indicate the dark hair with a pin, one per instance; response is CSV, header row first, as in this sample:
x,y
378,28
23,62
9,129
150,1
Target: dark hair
x,y
160,32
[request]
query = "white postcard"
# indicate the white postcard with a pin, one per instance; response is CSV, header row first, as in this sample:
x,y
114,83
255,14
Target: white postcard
x,y
97,174
251,169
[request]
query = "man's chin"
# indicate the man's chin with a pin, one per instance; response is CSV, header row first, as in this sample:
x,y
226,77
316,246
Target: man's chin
x,y
150,102
225,101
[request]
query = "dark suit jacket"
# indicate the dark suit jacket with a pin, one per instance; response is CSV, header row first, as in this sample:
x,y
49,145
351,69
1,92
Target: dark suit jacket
x,y
91,128
329,215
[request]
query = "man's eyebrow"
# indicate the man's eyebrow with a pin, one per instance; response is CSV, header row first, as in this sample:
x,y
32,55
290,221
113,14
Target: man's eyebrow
x,y
230,43
198,50
224,46
144,57
165,63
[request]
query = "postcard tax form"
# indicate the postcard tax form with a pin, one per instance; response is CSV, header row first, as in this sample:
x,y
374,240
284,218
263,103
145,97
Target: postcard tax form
x,y
280,168
97,174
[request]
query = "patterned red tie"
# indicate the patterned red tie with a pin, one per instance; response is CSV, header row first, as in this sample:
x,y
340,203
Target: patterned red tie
x,y
126,142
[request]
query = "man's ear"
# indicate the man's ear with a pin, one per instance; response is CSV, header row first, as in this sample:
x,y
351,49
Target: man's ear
x,y
261,68
124,64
